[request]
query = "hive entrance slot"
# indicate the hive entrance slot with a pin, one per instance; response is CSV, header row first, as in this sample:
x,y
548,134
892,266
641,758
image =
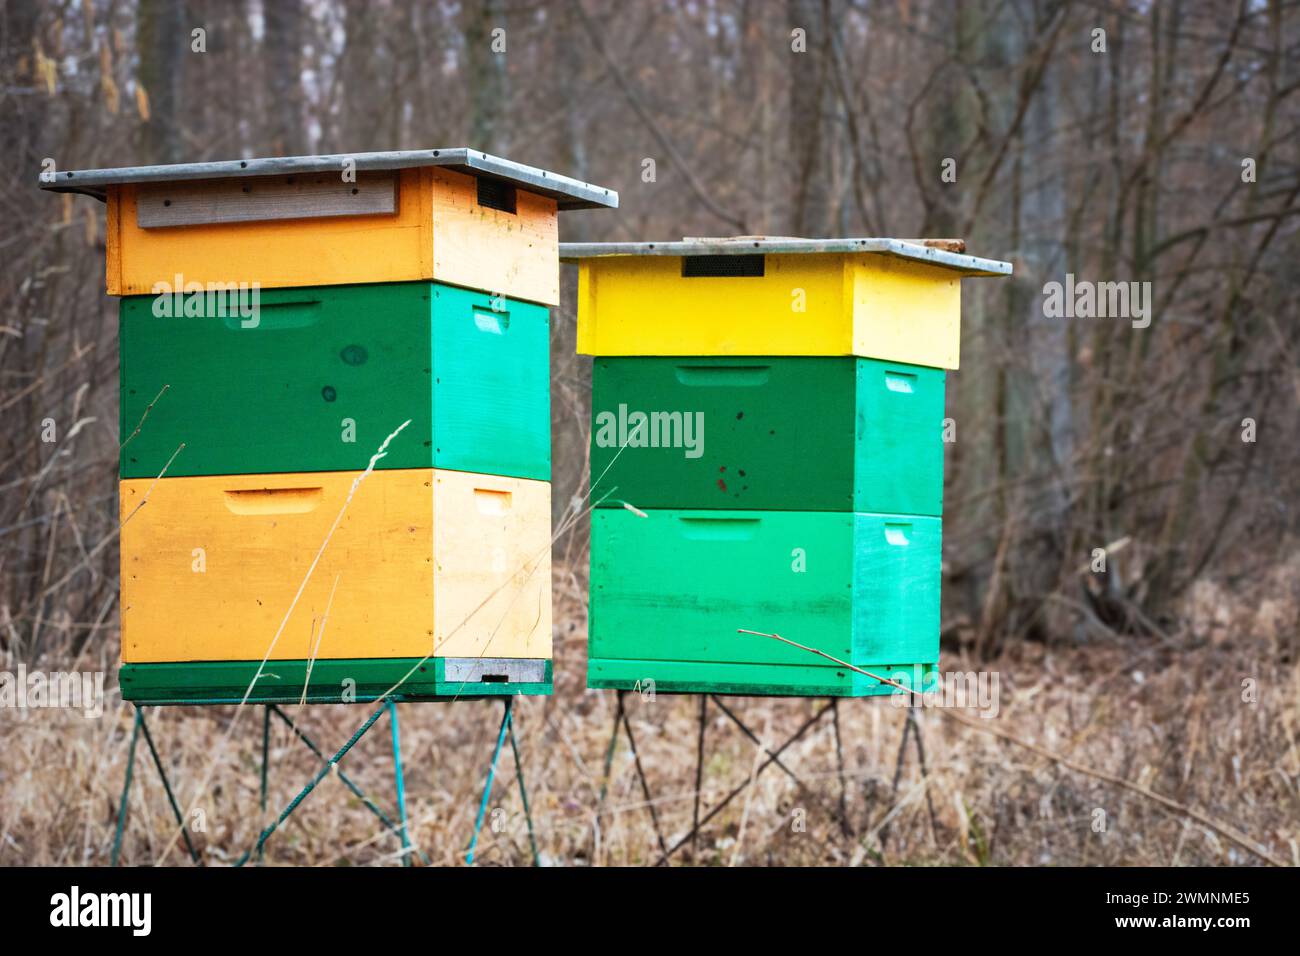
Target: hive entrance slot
x,y
722,267
493,194
272,501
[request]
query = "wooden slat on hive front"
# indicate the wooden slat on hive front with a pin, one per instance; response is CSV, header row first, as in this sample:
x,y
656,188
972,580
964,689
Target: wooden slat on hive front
x,y
312,196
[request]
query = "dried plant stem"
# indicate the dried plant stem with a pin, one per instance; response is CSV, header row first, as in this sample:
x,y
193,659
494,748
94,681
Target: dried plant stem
x,y
1217,826
147,410
261,667
315,648
111,536
759,751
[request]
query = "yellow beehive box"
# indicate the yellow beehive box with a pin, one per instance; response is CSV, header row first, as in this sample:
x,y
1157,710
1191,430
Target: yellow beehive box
x,y
423,562
878,298
451,215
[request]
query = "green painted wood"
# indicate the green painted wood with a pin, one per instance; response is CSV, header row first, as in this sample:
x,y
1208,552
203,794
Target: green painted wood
x,y
274,396
899,438
780,433
695,677
492,385
672,588
225,682
896,573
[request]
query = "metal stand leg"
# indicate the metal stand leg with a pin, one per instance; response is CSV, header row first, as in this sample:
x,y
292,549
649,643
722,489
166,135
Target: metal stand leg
x,y
487,786
293,804
126,791
911,728
699,775
401,830
604,780
809,794
645,787
621,719
925,772
845,828
523,795
266,749
140,726
343,777
401,788
167,788
773,757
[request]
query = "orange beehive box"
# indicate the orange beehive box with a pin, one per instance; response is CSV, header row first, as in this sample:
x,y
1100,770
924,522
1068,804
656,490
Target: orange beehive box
x,y
457,216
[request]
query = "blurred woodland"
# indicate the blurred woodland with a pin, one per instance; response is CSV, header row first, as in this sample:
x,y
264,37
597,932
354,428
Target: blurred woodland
x,y
1171,156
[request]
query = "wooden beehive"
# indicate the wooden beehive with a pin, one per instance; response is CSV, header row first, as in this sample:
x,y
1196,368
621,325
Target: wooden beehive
x,y
281,318
772,412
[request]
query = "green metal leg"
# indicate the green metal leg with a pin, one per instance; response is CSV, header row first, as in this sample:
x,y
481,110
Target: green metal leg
x,y
126,791
645,785
772,757
344,778
167,788
523,795
293,804
137,728
266,749
401,788
699,773
266,763
609,756
487,786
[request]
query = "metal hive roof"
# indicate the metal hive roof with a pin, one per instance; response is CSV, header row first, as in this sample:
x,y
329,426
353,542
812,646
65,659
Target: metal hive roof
x,y
755,245
569,193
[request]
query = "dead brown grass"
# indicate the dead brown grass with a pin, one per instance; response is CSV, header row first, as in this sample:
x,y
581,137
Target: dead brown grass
x,y
1170,716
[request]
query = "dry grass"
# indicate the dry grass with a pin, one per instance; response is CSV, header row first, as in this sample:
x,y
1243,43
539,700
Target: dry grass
x,y
1170,716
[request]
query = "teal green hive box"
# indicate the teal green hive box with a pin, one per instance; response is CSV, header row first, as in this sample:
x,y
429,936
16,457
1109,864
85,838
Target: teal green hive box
x,y
671,590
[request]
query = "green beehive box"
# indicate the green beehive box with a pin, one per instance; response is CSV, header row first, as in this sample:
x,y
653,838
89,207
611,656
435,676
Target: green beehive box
x,y
317,377
780,433
670,589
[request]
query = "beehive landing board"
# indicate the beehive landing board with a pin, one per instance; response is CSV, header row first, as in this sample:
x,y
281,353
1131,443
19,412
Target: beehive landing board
x,y
275,391
780,433
332,682
670,590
